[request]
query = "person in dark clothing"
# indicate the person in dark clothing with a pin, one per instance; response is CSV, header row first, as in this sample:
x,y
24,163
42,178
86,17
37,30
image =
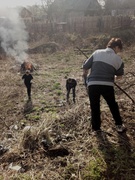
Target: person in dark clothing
x,y
105,66
71,84
27,81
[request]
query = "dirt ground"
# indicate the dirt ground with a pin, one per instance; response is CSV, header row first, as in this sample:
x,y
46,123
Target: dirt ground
x,y
69,150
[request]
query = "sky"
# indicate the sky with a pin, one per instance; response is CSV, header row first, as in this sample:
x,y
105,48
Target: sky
x,y
15,3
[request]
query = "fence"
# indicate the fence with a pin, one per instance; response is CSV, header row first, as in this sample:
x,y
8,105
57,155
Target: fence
x,y
98,24
80,25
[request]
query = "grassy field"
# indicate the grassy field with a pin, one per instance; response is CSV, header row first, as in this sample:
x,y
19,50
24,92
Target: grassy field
x,y
71,152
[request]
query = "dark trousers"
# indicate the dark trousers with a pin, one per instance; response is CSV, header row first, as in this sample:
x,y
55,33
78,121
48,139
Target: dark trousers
x,y
95,92
68,92
28,86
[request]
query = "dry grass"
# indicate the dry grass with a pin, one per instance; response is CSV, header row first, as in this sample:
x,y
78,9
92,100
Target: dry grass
x,y
66,128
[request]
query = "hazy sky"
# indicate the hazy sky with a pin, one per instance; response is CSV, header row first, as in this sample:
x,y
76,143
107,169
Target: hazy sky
x,y
14,3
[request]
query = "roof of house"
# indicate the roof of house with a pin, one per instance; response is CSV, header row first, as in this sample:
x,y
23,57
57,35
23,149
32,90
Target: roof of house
x,y
82,5
24,13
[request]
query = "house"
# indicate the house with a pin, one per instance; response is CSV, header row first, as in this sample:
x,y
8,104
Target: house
x,y
83,7
74,8
25,13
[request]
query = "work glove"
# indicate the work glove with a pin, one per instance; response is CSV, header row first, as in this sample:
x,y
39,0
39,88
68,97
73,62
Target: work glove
x,y
85,81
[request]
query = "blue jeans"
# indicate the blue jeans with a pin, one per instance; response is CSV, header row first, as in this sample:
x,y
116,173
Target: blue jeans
x,y
95,92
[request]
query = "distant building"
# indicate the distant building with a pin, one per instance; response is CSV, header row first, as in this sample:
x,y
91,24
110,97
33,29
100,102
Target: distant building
x,y
84,7
25,13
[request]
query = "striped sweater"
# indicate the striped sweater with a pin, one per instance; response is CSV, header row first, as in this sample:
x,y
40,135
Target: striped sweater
x,y
104,65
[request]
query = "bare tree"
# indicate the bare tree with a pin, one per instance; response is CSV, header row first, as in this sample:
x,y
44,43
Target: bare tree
x,y
46,6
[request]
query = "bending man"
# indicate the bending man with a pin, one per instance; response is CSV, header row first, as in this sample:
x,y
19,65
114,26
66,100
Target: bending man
x,y
104,64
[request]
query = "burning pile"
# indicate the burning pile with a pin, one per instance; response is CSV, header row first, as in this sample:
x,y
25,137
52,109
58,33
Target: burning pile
x,y
26,66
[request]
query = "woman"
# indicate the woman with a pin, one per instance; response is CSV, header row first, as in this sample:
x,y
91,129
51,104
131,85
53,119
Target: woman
x,y
105,65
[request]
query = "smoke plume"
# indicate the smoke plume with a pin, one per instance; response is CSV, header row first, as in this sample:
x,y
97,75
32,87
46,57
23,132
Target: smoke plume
x,y
13,35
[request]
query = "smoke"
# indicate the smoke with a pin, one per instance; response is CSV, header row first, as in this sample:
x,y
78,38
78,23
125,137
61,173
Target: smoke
x,y
13,35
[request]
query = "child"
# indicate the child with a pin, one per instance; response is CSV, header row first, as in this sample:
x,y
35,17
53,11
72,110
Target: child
x,y
27,81
71,84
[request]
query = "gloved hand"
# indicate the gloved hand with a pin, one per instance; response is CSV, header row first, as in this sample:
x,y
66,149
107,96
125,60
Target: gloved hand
x,y
85,81
84,76
118,78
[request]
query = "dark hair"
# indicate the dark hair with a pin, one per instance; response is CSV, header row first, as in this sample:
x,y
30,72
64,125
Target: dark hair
x,y
115,42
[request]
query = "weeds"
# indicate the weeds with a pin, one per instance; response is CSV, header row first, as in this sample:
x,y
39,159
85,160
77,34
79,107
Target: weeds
x,y
88,159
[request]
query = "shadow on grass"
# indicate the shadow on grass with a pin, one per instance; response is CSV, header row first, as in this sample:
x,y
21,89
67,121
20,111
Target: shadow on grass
x,y
28,106
118,157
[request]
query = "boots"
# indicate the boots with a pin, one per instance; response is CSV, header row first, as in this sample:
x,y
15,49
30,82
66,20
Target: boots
x,y
29,97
